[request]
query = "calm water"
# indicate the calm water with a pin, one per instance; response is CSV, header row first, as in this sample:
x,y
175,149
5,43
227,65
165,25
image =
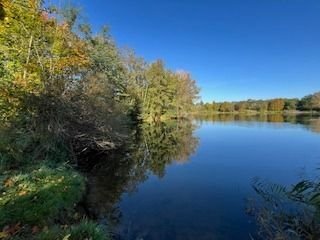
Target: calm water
x,y
186,180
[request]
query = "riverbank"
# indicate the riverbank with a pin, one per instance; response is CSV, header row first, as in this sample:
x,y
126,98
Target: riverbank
x,y
43,199
41,187
68,95
44,185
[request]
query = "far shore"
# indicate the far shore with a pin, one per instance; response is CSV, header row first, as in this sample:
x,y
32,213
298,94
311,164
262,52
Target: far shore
x,y
252,112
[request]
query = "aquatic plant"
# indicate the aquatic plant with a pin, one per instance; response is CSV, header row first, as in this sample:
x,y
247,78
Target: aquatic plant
x,y
287,212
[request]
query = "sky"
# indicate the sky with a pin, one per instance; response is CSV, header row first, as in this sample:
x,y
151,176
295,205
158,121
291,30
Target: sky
x,y
234,49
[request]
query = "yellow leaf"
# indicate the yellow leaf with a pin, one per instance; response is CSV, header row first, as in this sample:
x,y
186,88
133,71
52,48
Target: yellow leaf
x,y
3,235
22,193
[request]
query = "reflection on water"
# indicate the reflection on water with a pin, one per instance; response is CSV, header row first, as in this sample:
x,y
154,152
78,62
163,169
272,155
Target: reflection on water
x,y
314,125
154,147
163,143
311,122
188,180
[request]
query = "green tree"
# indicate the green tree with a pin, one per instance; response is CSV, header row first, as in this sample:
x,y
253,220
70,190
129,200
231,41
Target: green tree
x,y
160,92
186,93
291,104
137,83
315,101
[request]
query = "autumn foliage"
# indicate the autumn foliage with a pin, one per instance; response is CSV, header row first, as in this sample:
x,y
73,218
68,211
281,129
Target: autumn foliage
x,y
66,93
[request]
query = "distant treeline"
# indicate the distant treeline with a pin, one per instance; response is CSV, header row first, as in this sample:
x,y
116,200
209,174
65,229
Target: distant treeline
x,y
307,103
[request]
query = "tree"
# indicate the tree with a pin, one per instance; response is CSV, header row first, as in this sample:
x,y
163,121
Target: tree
x,y
226,107
241,106
315,101
186,93
276,105
215,106
160,92
291,104
262,106
38,54
310,102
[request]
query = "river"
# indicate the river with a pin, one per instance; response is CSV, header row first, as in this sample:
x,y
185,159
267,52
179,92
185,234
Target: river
x,y
192,179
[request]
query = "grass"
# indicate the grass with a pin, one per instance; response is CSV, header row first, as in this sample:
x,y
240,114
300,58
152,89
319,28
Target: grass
x,y
39,188
84,230
39,196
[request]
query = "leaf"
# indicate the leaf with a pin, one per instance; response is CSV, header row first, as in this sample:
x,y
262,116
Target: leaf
x,y
315,199
8,183
3,235
22,193
301,187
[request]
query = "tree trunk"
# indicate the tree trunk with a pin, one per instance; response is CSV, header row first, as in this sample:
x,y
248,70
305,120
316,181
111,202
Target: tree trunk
x,y
28,57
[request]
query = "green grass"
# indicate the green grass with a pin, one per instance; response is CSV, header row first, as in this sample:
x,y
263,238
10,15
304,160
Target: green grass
x,y
37,197
39,189
83,230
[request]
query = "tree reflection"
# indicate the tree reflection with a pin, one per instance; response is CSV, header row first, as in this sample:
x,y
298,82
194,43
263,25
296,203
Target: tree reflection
x,y
310,122
314,125
151,149
163,143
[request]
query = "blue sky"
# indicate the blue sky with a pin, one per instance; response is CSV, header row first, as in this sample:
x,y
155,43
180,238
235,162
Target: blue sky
x,y
235,49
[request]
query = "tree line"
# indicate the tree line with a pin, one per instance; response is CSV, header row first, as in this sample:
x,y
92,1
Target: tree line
x,y
61,81
47,51
308,103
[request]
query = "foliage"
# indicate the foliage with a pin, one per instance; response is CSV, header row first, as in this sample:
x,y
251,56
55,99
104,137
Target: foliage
x,y
308,103
66,93
226,107
287,213
241,106
21,147
291,104
84,230
166,93
276,105
37,197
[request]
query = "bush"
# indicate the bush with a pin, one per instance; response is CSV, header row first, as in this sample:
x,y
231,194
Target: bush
x,y
21,147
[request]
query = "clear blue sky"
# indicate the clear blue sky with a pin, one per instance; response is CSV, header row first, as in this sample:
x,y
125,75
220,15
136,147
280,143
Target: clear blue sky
x,y
235,49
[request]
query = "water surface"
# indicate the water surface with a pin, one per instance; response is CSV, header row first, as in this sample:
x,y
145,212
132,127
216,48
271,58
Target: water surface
x,y
190,180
